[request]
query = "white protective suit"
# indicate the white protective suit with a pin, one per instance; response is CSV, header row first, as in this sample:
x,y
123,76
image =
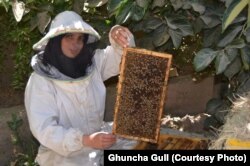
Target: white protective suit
x,y
61,110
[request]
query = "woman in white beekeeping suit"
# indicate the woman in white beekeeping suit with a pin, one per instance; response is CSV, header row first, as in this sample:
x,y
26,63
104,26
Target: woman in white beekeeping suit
x,y
65,95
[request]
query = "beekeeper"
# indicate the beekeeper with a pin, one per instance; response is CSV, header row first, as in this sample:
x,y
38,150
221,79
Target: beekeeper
x,y
65,95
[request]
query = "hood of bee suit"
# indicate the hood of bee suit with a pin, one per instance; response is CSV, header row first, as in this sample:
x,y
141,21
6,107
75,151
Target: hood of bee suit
x,y
67,22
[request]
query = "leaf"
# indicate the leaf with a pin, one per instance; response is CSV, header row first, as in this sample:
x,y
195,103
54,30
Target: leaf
x,y
220,116
211,123
221,62
245,57
227,2
143,3
101,26
243,78
186,5
233,68
198,7
211,36
197,25
78,6
176,36
160,35
244,82
95,3
231,53
152,23
113,5
248,34
137,12
5,4
211,21
214,9
15,122
43,21
179,22
180,4
167,46
186,28
203,58
140,26
248,17
18,9
232,12
239,19
170,22
223,59
177,4
237,43
158,3
212,105
229,36
125,13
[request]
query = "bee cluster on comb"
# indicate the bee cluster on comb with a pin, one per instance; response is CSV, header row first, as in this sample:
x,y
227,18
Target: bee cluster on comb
x,y
141,94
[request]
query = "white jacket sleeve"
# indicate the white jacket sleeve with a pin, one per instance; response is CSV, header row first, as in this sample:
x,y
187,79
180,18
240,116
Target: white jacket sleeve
x,y
43,118
108,60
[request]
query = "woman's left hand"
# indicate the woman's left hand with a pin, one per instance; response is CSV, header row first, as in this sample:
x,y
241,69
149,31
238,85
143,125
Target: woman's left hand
x,y
121,35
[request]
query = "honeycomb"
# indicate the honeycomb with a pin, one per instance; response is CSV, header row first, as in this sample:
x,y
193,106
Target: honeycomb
x,y
141,94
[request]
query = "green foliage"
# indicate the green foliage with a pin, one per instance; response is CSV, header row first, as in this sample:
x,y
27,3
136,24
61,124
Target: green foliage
x,y
26,155
165,23
233,11
24,39
14,124
203,58
5,4
2,44
24,160
245,56
160,24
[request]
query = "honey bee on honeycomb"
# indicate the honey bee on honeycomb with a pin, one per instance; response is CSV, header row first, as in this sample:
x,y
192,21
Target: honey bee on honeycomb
x,y
141,94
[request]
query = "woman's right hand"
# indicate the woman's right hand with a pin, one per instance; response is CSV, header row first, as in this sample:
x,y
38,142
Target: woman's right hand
x,y
99,140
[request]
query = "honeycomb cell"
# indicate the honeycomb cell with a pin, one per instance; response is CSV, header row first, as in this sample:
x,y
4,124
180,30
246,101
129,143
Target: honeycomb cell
x,y
141,94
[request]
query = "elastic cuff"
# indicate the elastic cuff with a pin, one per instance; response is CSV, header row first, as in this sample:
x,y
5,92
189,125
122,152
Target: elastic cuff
x,y
73,140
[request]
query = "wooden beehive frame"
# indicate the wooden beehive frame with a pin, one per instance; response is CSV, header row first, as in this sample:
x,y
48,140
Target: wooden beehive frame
x,y
175,142
162,58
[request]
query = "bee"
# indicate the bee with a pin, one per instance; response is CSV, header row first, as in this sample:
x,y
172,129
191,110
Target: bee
x,y
142,82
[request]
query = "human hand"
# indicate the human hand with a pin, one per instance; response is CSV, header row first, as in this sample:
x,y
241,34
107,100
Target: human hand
x,y
99,140
121,35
